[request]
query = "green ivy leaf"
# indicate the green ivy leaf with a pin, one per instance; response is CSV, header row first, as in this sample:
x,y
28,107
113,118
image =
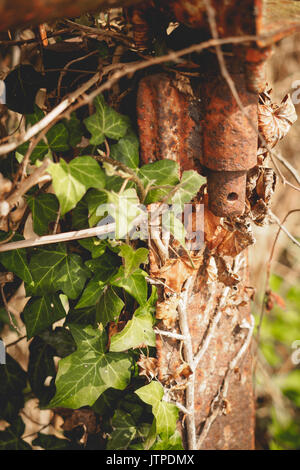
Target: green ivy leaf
x,y
106,122
135,284
10,439
16,261
96,247
189,186
95,199
172,443
40,312
109,307
133,259
38,153
161,173
84,375
82,316
53,269
41,365
92,292
127,150
58,138
124,431
138,331
43,267
44,210
71,276
165,414
71,181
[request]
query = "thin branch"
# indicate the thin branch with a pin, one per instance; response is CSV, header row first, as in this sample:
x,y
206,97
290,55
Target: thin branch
x,y
288,166
188,356
169,334
64,237
32,180
283,228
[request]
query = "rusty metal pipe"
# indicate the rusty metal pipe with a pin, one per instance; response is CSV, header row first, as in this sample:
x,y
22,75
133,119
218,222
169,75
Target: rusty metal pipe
x,y
229,143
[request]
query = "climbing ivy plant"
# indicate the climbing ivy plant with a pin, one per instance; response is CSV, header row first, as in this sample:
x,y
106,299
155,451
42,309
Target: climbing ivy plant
x,y
89,300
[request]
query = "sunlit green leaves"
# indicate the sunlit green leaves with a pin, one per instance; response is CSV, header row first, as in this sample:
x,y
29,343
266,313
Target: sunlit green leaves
x,y
106,122
44,208
40,312
72,180
89,371
165,414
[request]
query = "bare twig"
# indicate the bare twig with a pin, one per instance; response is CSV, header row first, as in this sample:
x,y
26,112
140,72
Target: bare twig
x,y
189,358
169,334
32,180
64,237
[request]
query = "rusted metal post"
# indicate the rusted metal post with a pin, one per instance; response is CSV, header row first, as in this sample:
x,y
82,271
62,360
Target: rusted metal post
x,y
170,126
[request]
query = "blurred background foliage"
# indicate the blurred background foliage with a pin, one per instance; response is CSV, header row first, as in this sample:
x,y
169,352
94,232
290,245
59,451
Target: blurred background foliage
x,y
278,362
